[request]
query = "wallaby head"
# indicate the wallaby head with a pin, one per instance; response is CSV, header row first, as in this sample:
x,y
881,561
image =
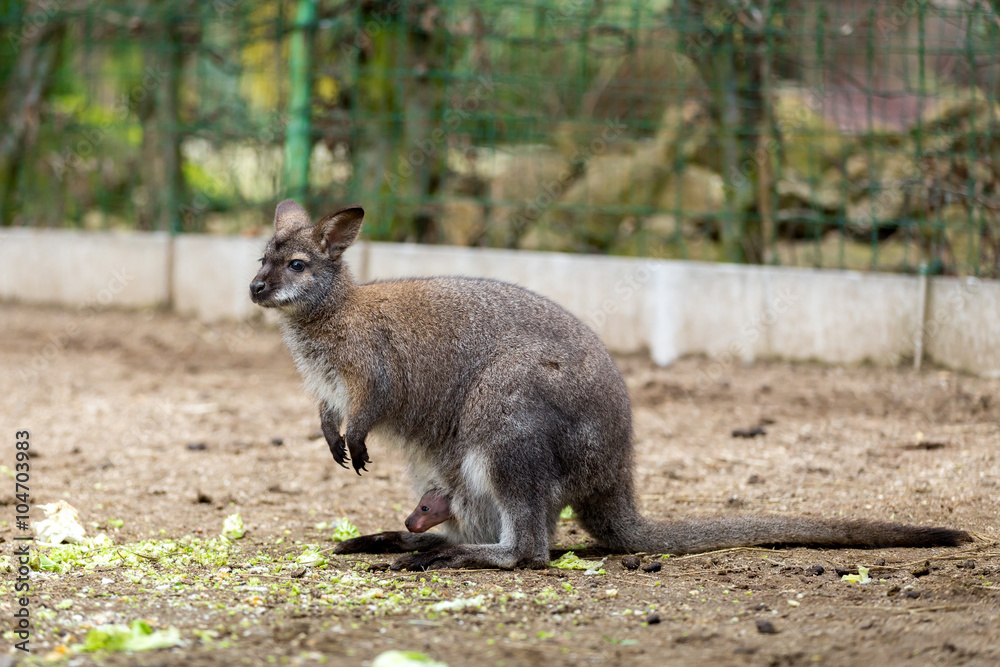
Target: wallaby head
x,y
302,266
432,509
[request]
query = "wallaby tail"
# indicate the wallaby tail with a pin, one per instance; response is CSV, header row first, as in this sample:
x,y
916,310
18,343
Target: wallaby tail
x,y
697,535
617,524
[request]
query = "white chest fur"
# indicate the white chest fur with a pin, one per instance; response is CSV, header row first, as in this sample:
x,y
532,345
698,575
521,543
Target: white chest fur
x,y
322,380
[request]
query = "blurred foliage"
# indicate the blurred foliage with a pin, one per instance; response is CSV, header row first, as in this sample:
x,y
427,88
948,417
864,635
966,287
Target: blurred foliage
x,y
835,134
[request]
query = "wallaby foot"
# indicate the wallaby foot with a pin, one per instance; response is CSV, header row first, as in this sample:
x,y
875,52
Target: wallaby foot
x,y
466,556
391,542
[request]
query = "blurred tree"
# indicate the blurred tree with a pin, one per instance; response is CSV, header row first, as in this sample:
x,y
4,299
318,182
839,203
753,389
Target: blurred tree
x,y
33,38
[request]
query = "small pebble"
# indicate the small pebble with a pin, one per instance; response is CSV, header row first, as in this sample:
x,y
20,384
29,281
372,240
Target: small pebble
x,y
277,442
611,592
378,567
968,565
911,594
892,591
652,619
630,562
204,498
652,567
299,573
197,446
766,627
922,570
815,570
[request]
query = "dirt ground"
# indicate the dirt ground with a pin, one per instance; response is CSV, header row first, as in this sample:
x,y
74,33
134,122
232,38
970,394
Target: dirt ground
x,y
167,426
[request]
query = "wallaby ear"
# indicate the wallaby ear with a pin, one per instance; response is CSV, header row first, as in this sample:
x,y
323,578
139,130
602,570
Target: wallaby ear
x,y
336,232
289,215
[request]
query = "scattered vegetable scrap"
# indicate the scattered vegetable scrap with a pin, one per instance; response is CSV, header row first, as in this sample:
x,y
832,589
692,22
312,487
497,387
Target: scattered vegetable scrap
x,y
406,659
137,636
60,525
570,561
860,578
232,527
345,530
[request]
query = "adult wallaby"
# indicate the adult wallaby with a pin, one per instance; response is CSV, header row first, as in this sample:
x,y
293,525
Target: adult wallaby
x,y
497,397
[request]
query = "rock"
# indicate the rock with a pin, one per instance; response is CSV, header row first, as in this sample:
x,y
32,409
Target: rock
x,y
815,570
655,566
766,627
652,619
922,570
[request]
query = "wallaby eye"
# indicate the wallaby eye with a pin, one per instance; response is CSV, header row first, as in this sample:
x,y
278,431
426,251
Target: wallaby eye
x,y
297,265
425,508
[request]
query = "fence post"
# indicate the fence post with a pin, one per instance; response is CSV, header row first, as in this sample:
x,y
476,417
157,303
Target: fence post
x,y
297,140
923,287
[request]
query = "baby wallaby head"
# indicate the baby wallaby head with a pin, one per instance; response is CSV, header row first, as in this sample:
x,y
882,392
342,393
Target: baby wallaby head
x,y
434,508
302,265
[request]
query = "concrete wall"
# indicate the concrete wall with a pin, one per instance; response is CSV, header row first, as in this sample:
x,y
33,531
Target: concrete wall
x,y
84,268
732,313
962,329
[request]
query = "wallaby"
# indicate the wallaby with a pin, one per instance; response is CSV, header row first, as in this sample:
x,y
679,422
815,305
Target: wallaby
x,y
433,508
499,398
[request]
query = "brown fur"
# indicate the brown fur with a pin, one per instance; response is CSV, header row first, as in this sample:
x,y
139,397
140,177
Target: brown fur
x,y
496,396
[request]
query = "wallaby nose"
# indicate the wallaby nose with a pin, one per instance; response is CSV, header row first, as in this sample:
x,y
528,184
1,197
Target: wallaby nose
x,y
408,521
257,286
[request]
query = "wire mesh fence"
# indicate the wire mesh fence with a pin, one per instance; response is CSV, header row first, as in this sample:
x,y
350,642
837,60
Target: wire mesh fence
x,y
836,134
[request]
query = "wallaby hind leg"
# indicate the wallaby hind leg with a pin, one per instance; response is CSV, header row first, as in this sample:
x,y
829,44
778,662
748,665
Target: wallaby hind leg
x,y
391,542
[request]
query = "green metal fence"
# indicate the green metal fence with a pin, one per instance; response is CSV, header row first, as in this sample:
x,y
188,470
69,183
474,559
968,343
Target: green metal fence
x,y
837,134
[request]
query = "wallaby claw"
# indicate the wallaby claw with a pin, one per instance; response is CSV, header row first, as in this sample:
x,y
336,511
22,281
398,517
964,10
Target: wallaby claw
x,y
359,455
339,452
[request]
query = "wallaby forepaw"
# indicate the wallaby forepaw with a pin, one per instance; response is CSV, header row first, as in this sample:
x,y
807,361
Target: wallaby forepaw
x,y
339,452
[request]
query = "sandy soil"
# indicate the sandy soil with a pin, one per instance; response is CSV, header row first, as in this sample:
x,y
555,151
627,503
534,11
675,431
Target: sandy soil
x,y
170,425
